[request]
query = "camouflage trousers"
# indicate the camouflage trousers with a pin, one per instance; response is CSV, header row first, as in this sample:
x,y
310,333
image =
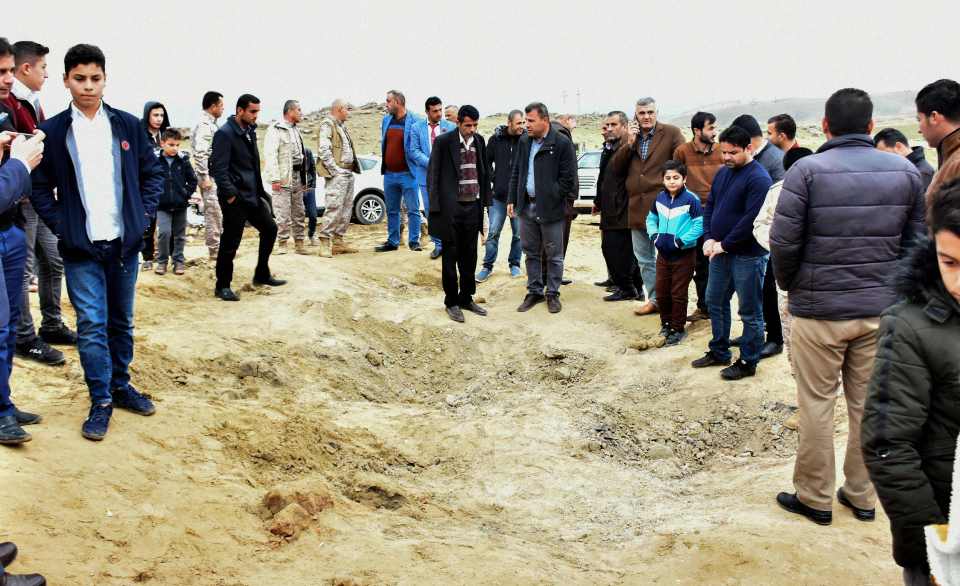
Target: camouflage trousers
x,y
786,322
339,208
212,218
289,211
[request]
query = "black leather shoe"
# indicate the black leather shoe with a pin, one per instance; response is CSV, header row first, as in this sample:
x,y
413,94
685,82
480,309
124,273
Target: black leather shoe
x,y
24,580
620,295
226,294
11,434
269,282
790,502
607,283
738,370
456,314
435,253
24,418
553,304
385,247
415,246
8,553
866,515
708,359
529,301
736,341
62,336
770,349
566,281
472,306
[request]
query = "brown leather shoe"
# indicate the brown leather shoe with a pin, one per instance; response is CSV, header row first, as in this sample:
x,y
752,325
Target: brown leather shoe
x,y
179,268
161,268
647,308
529,301
698,315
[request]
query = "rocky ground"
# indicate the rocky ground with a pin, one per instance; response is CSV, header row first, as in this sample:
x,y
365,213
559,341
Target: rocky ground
x,y
341,430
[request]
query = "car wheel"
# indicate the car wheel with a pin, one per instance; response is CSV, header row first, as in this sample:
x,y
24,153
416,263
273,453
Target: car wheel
x,y
369,208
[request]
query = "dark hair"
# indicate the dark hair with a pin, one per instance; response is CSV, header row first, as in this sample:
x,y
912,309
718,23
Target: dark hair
x,y
512,114
28,52
941,96
943,210
84,55
398,96
210,98
468,111
785,124
748,123
794,155
736,136
701,119
171,133
5,48
432,101
620,114
289,105
539,108
890,137
245,100
673,165
849,111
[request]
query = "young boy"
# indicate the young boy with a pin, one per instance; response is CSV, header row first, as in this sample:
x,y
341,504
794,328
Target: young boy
x,y
675,223
107,181
180,182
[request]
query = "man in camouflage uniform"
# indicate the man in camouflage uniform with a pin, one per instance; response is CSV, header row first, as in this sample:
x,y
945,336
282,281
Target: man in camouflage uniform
x,y
202,146
337,162
285,158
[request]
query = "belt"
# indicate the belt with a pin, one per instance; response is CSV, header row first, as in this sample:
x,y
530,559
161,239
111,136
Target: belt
x,y
297,167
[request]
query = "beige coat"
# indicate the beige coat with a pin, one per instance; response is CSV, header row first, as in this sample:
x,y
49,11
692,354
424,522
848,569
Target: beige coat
x,y
278,148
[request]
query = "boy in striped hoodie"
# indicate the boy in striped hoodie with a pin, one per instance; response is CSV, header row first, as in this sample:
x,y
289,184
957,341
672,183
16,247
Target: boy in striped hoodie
x,y
674,223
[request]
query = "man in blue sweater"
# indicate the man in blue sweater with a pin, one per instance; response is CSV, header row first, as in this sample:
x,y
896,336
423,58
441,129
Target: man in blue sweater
x,y
737,262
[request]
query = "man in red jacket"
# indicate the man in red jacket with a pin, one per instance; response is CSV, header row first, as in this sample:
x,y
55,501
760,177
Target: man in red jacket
x,y
24,102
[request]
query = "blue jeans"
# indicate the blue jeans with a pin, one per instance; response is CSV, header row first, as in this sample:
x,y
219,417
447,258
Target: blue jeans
x,y
425,196
310,207
13,260
395,187
743,275
498,215
646,254
101,290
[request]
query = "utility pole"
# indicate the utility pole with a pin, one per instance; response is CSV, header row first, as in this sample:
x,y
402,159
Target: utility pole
x,y
578,101
563,99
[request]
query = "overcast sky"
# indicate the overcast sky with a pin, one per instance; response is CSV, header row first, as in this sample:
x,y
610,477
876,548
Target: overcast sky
x,y
494,54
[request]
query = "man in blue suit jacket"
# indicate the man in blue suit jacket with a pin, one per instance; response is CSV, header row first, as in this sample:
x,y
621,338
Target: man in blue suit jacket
x,y
397,168
421,143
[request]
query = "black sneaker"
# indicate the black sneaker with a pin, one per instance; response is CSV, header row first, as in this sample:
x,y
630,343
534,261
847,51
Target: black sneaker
x,y
385,247
25,418
770,349
97,423
61,335
415,246
621,295
607,283
39,351
790,502
132,400
708,359
866,515
665,331
11,434
738,370
675,338
553,304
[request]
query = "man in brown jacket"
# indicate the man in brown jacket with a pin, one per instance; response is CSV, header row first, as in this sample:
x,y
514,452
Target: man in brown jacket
x,y
651,145
702,158
938,112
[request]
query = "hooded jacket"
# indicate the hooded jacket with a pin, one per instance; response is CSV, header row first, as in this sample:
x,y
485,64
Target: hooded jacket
x,y
179,182
500,151
146,124
912,412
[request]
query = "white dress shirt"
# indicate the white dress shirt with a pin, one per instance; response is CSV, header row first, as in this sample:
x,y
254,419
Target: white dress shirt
x,y
22,92
94,140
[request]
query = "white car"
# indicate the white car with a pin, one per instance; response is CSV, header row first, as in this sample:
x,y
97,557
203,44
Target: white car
x,y
588,169
369,205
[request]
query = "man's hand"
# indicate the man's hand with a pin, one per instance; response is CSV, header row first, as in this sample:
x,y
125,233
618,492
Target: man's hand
x,y
231,199
6,138
708,247
633,129
510,211
276,186
30,151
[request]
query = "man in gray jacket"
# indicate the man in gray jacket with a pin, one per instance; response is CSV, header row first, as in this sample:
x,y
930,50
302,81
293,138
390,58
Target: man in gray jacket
x,y
835,261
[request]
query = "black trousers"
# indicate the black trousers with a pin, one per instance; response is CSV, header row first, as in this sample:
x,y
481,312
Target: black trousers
x,y
617,247
771,311
701,274
235,217
460,255
150,240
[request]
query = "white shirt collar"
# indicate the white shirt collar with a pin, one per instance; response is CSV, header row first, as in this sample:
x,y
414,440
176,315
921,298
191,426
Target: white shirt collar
x,y
466,144
78,114
22,92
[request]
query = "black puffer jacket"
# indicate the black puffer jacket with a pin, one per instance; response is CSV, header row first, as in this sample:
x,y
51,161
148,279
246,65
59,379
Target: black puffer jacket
x,y
500,158
912,412
179,182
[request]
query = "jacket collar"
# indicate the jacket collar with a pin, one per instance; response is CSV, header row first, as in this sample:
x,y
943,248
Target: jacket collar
x,y
207,117
916,155
21,92
232,121
847,140
949,145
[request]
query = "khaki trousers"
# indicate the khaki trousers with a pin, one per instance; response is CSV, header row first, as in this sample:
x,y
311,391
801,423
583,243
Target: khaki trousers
x,y
289,211
822,352
212,219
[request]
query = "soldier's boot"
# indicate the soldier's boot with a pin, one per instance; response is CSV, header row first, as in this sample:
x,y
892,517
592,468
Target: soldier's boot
x,y
299,247
326,247
340,246
281,247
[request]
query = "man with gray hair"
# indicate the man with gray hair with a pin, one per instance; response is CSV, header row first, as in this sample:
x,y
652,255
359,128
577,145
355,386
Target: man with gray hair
x,y
651,145
337,162
450,113
399,184
284,158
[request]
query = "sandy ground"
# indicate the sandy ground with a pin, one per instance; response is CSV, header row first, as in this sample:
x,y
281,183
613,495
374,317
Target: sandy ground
x,y
404,449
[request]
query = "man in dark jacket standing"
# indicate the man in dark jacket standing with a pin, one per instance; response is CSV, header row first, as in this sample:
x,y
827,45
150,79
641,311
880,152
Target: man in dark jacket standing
x,y
235,165
544,173
938,113
612,204
459,189
891,140
155,120
108,181
835,261
500,150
